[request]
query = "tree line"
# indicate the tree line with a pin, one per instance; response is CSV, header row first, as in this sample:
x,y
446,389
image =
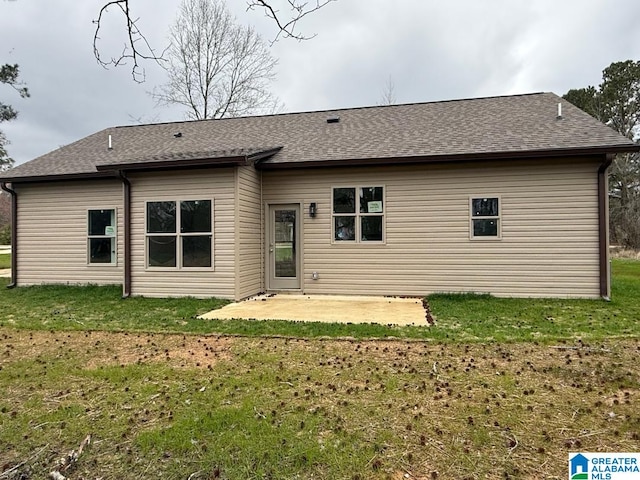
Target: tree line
x,y
616,102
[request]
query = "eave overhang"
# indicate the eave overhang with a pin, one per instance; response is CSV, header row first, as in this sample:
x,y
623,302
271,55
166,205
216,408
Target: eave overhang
x,y
57,178
466,157
109,170
229,160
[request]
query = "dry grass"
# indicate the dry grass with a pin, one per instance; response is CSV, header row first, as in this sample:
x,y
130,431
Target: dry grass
x,y
626,253
102,348
224,407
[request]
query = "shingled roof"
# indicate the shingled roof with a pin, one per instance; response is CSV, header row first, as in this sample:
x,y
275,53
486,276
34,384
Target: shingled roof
x,y
482,128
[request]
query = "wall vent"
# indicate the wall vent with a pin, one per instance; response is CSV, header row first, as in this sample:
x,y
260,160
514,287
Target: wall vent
x,y
333,119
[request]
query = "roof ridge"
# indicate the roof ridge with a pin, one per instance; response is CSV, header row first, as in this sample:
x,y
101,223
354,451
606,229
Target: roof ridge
x,y
336,110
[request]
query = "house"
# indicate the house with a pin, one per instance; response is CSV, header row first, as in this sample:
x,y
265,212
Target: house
x,y
505,195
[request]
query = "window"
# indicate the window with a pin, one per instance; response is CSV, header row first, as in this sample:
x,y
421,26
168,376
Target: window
x,y
485,218
358,214
101,236
179,234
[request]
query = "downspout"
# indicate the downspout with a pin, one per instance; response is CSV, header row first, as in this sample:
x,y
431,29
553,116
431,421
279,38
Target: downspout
x,y
14,235
603,221
263,239
126,183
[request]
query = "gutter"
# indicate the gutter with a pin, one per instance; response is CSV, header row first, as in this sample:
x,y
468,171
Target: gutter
x,y
54,178
126,184
453,158
603,227
14,234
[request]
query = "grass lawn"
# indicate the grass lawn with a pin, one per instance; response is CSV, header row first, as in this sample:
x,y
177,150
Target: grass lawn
x,y
468,318
5,260
472,397
206,407
472,317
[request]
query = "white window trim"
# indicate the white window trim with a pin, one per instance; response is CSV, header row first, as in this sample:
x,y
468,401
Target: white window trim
x,y
484,238
115,238
179,236
358,215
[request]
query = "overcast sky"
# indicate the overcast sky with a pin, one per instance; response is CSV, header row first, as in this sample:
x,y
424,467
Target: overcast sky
x,y
431,50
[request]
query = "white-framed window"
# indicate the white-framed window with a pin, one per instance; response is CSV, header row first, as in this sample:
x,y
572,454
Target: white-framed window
x,y
179,234
358,214
484,218
101,236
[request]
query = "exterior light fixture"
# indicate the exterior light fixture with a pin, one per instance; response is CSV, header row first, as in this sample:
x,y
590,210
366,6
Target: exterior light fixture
x,y
312,209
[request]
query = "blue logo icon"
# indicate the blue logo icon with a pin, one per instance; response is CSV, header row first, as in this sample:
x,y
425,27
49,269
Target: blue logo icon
x,y
579,467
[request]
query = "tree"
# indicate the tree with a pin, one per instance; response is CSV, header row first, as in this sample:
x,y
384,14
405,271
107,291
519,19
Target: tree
x,y
5,209
137,48
5,219
587,99
617,103
9,76
620,92
216,68
388,93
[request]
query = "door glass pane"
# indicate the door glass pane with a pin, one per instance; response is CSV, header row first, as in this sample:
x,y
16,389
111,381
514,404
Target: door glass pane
x,y
285,243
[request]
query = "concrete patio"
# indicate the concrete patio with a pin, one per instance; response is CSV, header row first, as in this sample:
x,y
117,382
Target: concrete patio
x,y
325,308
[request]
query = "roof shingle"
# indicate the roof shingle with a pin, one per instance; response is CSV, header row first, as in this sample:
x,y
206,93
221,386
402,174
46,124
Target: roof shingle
x,y
482,126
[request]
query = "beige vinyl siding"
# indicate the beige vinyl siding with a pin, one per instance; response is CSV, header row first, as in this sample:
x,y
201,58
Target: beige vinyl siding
x,y
249,240
549,223
215,184
52,232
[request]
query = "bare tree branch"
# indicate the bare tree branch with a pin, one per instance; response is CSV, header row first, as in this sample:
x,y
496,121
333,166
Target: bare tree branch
x,y
131,50
137,48
287,25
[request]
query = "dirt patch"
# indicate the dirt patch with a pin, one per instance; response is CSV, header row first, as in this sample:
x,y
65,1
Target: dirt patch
x,y
105,348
